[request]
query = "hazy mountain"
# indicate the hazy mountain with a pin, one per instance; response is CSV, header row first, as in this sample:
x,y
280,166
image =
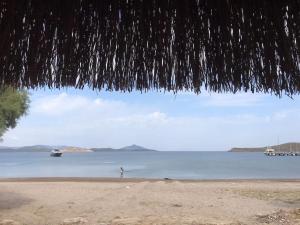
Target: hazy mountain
x,y
34,148
47,148
127,148
75,149
287,147
104,149
135,148
5,147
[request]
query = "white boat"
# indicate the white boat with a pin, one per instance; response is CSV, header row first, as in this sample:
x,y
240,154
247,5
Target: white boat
x,y
270,152
56,153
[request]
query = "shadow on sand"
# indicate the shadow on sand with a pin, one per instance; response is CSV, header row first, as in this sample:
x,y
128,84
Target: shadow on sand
x,y
11,200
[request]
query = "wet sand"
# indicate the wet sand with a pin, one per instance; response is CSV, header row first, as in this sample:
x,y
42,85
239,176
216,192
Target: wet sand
x,y
108,201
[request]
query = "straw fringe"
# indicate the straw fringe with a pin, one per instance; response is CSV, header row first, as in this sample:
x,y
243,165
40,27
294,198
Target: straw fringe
x,y
125,45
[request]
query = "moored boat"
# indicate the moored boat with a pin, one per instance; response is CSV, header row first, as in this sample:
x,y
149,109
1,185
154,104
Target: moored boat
x,y
270,152
56,153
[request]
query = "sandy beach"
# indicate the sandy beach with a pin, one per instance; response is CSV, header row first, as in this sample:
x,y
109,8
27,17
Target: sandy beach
x,y
131,202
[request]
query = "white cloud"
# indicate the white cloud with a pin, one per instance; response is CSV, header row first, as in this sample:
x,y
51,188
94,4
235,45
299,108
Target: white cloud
x,y
62,104
57,105
66,119
232,100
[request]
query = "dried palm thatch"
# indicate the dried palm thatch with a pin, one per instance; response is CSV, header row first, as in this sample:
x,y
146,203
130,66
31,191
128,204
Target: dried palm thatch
x,y
219,45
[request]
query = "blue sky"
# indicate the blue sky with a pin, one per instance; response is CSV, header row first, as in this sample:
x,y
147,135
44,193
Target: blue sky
x,y
163,121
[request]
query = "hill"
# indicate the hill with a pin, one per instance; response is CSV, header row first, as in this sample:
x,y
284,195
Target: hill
x,y
69,149
133,148
287,147
34,148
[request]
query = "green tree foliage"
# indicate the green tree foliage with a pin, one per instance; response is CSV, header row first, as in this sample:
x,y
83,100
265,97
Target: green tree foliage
x,y
13,104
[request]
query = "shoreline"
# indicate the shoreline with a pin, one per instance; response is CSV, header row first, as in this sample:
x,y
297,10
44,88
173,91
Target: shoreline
x,y
138,180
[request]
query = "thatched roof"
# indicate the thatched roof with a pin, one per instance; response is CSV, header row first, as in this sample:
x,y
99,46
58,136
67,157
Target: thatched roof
x,y
220,45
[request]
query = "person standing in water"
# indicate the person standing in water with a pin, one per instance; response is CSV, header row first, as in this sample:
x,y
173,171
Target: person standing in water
x,y
121,172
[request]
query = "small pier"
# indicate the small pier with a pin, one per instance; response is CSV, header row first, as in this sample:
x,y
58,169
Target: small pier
x,y
282,153
272,152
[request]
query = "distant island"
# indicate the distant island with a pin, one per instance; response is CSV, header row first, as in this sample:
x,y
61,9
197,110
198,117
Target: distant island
x,y
47,148
132,148
287,147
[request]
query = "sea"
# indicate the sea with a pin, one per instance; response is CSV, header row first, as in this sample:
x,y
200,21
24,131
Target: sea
x,y
158,165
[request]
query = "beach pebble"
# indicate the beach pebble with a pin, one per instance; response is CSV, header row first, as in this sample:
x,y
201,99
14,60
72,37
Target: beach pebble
x,y
127,187
76,220
126,221
9,222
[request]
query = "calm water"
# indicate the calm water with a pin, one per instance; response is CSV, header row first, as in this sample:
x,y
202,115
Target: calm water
x,y
182,165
